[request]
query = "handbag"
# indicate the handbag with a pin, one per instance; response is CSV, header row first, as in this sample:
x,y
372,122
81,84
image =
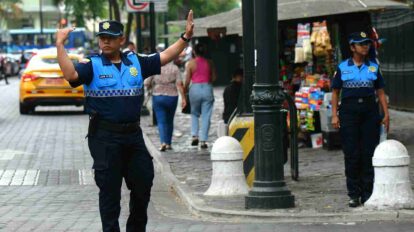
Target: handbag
x,y
187,108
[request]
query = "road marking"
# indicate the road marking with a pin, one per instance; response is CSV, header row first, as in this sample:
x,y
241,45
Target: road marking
x,y
86,177
30,177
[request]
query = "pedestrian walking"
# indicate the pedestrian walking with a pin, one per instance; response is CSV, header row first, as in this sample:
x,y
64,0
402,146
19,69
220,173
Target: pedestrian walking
x,y
231,94
165,88
113,89
201,73
358,80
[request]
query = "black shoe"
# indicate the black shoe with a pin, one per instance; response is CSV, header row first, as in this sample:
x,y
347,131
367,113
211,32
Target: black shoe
x,y
194,142
203,145
354,202
163,148
168,147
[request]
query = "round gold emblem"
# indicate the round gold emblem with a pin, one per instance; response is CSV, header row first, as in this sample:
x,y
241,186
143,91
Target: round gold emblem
x,y
363,35
106,25
133,71
372,69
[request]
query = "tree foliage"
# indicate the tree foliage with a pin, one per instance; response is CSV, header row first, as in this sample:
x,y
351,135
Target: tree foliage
x,y
10,8
84,9
178,9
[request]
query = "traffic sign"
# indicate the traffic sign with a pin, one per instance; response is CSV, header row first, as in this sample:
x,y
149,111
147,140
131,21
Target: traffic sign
x,y
143,6
154,1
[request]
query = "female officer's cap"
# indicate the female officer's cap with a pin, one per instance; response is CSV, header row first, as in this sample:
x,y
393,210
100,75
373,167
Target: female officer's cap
x,y
358,37
110,27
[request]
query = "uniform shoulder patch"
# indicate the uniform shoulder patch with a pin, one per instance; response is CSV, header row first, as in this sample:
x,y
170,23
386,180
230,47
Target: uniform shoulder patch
x,y
372,68
85,61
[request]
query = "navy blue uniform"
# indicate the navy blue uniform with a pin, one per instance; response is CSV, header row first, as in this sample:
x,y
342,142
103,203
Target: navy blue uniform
x,y
114,94
359,123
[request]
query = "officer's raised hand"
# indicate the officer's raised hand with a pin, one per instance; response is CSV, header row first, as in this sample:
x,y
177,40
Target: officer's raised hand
x,y
189,28
66,65
174,50
62,35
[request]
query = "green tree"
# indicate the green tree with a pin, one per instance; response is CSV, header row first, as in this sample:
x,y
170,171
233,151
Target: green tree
x,y
178,9
9,9
84,9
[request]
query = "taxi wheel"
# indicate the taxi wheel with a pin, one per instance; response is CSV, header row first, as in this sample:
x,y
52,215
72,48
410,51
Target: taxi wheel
x,y
25,109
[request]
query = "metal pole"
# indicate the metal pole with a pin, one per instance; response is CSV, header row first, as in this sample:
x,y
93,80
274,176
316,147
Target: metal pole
x,y
139,32
244,105
41,16
110,9
269,188
152,27
166,29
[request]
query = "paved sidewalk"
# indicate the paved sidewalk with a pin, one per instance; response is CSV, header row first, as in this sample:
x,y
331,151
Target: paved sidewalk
x,y
320,194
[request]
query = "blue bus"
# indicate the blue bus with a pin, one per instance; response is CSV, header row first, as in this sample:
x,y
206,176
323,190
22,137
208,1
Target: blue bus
x,y
30,38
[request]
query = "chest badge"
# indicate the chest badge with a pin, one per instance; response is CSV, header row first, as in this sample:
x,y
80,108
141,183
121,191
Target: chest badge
x,y
133,71
372,69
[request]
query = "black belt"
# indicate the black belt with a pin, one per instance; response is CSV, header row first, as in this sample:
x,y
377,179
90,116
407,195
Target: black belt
x,y
359,100
123,128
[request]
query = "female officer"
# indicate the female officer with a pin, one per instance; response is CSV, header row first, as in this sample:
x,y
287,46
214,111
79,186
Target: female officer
x,y
358,80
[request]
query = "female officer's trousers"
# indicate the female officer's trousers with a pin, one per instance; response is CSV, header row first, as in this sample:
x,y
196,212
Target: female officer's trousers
x,y
118,156
360,123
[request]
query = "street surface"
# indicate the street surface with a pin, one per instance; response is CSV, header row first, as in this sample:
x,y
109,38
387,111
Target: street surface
x,y
46,183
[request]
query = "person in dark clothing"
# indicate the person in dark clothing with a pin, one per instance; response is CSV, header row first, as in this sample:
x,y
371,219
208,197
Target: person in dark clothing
x,y
112,83
231,94
357,84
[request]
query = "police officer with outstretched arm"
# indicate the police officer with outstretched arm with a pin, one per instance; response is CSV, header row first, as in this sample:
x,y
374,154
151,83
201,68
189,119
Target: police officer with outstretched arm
x,y
113,89
359,81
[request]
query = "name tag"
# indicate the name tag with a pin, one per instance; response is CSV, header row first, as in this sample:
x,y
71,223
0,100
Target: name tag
x,y
347,72
105,76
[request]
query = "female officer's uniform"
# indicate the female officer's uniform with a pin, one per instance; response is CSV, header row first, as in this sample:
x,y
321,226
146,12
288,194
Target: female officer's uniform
x,y
359,120
113,100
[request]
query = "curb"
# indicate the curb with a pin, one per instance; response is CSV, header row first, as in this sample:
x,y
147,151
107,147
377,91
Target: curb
x,y
197,206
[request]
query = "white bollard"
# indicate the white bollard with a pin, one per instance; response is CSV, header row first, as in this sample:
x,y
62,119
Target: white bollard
x,y
392,188
227,161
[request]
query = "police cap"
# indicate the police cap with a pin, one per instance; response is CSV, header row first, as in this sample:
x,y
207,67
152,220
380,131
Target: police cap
x,y
358,37
110,27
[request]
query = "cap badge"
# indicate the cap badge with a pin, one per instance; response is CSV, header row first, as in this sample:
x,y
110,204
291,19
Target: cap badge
x,y
133,71
106,25
363,35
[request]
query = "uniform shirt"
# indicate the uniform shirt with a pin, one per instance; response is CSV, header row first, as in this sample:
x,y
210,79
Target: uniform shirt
x,y
119,102
357,81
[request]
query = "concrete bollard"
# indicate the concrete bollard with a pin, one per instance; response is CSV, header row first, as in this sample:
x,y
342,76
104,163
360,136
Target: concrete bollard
x,y
228,177
392,188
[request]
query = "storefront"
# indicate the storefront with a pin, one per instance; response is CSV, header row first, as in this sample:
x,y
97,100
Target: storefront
x,y
313,39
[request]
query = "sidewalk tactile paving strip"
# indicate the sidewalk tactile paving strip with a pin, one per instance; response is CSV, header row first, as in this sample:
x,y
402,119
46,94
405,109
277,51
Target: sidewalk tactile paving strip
x,y
35,177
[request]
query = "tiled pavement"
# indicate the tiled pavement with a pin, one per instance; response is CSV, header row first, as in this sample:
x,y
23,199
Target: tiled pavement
x,y
46,183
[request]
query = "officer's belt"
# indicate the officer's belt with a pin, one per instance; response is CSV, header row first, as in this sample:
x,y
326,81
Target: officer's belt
x,y
123,128
359,100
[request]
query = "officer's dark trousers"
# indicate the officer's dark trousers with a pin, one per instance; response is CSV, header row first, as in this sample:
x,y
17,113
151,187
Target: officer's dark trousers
x,y
360,122
118,156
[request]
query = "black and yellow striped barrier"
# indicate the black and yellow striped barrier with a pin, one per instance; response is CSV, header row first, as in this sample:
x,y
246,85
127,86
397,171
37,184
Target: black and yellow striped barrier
x,y
242,129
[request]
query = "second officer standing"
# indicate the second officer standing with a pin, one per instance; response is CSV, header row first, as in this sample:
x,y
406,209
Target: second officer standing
x,y
358,80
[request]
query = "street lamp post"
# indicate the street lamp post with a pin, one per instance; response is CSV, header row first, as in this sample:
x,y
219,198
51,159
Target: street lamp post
x,y
269,188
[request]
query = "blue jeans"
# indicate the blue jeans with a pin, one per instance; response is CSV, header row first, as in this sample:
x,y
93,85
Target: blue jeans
x,y
201,101
164,107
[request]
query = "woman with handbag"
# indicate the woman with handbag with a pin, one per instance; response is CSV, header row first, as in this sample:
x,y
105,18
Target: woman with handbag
x,y
200,72
165,88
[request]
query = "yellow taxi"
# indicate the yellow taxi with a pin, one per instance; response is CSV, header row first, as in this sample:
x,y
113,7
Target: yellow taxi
x,y
42,84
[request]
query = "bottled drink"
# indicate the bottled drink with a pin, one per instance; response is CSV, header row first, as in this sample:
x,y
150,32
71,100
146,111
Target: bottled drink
x,y
383,133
